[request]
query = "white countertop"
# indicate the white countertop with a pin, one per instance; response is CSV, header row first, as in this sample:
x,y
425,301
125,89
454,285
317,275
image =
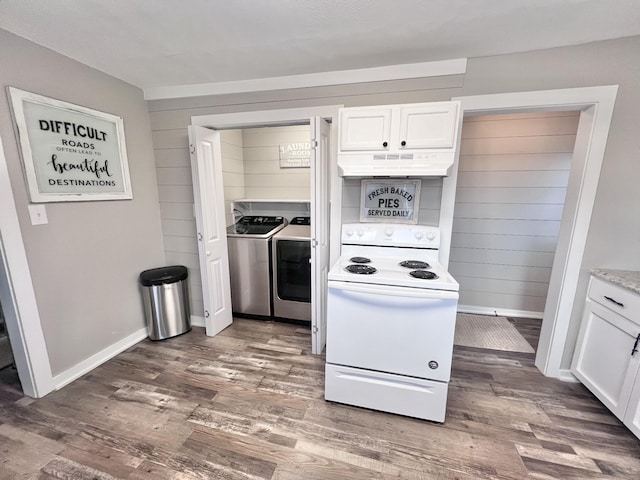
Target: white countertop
x,y
629,279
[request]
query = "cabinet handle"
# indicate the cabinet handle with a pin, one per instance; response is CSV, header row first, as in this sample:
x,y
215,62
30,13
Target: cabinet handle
x,y
614,301
384,144
634,350
403,143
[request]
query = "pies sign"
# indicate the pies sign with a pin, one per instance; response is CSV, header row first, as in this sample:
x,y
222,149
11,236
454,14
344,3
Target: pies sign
x,y
395,201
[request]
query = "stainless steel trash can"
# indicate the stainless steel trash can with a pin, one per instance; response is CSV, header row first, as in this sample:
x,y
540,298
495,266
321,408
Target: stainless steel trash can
x,y
165,294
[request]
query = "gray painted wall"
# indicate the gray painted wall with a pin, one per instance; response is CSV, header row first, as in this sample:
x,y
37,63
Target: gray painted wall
x,y
85,262
614,236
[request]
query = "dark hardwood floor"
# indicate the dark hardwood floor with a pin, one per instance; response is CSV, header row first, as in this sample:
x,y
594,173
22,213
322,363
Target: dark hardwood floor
x,y
248,404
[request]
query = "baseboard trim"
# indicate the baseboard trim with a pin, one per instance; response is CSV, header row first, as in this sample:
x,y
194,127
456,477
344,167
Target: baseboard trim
x,y
98,359
566,376
197,321
501,312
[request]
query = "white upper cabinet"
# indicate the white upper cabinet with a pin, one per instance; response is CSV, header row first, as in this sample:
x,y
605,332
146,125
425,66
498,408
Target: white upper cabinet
x,y
397,128
365,129
432,125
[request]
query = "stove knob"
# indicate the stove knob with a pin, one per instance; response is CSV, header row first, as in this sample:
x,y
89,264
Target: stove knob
x,y
431,236
388,231
349,232
360,232
419,235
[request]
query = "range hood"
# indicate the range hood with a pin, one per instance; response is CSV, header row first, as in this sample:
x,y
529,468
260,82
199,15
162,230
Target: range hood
x,y
422,164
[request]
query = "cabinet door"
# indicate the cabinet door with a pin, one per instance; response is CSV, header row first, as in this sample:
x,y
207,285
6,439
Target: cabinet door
x,y
603,360
430,125
632,417
365,129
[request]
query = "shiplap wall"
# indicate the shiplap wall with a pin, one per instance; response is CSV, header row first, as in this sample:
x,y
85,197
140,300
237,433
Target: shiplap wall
x,y
264,179
233,170
512,181
170,119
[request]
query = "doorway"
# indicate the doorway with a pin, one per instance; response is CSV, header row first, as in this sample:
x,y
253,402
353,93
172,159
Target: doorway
x,y
512,182
20,311
6,355
320,164
595,107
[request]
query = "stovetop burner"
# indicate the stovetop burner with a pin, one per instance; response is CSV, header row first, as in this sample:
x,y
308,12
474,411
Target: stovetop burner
x,y
360,269
360,260
423,274
414,264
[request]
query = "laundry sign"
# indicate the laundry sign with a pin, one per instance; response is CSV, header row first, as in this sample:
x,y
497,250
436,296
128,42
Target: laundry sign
x,y
70,152
295,155
394,201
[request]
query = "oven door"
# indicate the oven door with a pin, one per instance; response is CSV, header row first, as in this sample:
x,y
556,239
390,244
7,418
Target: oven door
x,y
401,330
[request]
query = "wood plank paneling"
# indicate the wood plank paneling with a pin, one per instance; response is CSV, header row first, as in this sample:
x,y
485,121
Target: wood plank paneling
x,y
233,178
176,211
174,175
264,178
501,195
525,243
180,244
512,181
515,162
252,172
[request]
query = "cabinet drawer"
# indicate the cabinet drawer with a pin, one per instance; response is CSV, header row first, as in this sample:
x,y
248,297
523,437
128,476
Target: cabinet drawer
x,y
615,298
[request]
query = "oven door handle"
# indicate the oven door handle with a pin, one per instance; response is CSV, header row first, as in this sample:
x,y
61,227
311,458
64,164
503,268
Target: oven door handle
x,y
373,289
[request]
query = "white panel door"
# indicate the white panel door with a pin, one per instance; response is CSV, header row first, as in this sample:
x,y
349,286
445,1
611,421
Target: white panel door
x,y
206,168
632,416
319,232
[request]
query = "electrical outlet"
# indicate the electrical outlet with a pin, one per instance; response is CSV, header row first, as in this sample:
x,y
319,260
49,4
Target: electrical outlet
x,y
38,214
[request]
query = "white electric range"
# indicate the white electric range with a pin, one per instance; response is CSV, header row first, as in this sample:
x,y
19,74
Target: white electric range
x,y
391,316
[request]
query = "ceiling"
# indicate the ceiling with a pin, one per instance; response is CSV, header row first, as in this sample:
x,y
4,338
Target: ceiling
x,y
159,43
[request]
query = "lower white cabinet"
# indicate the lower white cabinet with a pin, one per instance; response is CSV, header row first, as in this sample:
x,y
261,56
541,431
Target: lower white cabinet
x,y
632,416
606,359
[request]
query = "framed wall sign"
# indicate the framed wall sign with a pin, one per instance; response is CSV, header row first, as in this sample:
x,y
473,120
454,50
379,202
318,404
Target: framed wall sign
x,y
295,155
392,200
70,153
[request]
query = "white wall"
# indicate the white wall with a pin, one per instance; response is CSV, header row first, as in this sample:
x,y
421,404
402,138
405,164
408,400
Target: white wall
x,y
85,262
233,175
170,118
264,178
512,181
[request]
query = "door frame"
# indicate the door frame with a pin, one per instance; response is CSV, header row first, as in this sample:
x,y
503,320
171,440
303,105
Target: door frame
x,y
18,297
596,110
292,116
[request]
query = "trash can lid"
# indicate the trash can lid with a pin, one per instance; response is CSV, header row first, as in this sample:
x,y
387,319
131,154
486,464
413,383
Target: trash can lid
x,y
162,275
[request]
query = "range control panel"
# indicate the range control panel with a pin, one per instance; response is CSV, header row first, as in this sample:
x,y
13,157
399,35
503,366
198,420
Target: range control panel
x,y
390,234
